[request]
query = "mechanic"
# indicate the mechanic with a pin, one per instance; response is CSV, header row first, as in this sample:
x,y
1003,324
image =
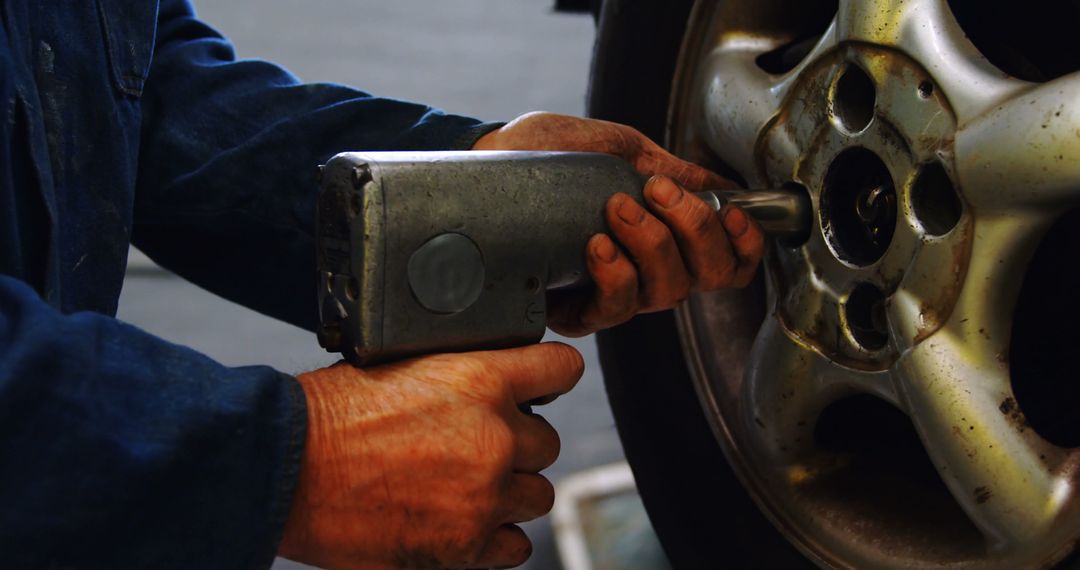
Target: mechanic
x,y
131,122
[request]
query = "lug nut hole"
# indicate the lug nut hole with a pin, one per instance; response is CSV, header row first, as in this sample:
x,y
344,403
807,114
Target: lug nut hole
x,y
934,200
858,207
866,317
853,99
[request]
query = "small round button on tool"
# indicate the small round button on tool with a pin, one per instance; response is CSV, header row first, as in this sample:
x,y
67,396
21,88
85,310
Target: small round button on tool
x,y
446,274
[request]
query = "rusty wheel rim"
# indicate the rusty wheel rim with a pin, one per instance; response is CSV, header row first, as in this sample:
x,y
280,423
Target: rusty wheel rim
x,y
935,175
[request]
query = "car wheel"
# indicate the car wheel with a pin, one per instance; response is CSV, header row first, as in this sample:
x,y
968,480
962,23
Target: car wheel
x,y
897,390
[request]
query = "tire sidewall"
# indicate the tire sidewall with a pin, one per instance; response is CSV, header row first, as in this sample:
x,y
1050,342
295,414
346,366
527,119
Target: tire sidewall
x,y
701,512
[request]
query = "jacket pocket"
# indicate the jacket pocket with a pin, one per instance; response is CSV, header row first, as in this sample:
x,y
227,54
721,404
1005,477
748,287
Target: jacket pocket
x,y
129,27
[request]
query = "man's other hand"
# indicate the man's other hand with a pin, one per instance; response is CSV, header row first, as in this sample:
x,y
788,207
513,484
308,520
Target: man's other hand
x,y
661,253
427,463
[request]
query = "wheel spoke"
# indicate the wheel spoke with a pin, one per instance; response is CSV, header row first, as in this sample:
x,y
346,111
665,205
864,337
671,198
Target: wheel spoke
x,y
1024,153
927,31
956,386
787,385
779,147
1000,472
739,101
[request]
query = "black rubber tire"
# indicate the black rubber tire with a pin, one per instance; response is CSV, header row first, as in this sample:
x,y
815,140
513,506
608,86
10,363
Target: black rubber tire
x,y
702,514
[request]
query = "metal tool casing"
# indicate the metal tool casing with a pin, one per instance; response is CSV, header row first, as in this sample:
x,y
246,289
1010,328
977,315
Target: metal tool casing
x,y
529,214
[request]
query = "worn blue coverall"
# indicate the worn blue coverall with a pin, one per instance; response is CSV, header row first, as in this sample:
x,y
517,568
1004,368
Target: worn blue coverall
x,y
129,121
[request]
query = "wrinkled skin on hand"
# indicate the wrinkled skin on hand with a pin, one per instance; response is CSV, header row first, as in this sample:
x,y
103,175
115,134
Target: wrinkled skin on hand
x,y
662,252
429,462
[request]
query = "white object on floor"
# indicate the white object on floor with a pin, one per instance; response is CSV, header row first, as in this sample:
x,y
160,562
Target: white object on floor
x,y
567,516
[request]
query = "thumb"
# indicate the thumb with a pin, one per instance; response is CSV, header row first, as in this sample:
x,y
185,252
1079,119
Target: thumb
x,y
538,370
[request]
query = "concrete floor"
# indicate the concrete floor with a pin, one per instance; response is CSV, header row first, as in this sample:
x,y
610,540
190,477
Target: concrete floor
x,y
492,59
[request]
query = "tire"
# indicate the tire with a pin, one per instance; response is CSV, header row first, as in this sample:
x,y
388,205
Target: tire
x,y
703,516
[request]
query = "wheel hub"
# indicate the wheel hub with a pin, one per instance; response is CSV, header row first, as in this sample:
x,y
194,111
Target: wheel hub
x,y
869,124
858,207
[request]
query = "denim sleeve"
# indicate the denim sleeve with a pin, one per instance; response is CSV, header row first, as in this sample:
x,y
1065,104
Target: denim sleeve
x,y
121,450
226,188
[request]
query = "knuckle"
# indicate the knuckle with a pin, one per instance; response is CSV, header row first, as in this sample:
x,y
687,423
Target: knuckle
x,y
485,506
486,368
698,219
470,370
474,524
466,543
655,235
495,443
474,377
619,286
630,137
626,310
486,379
616,307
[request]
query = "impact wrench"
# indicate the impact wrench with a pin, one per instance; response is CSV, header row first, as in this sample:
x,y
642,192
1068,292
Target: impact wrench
x,y
426,252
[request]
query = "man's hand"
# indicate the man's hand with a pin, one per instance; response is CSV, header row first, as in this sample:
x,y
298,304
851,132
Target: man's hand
x,y
427,463
674,247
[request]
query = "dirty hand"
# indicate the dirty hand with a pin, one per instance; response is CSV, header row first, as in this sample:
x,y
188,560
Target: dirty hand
x,y
675,246
427,463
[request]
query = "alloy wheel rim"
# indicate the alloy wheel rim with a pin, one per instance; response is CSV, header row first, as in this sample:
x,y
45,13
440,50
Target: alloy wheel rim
x,y
934,175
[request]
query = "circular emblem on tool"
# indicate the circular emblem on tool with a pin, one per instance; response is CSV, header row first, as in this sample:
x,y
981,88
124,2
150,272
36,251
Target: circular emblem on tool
x,y
446,274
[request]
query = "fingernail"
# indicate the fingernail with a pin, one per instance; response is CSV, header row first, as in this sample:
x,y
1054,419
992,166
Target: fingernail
x,y
735,222
665,192
630,212
604,249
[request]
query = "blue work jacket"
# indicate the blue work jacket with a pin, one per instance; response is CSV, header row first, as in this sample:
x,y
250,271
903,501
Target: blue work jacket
x,y
128,121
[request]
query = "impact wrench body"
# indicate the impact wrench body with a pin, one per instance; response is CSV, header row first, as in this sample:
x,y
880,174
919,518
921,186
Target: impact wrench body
x,y
429,252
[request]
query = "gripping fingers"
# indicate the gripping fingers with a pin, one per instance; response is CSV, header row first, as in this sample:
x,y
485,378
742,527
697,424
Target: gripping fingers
x,y
720,249
662,277
509,547
611,301
747,241
703,239
615,298
528,496
537,444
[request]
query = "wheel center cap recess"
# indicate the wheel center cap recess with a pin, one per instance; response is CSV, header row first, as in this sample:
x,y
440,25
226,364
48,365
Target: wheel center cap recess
x,y
858,207
886,260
